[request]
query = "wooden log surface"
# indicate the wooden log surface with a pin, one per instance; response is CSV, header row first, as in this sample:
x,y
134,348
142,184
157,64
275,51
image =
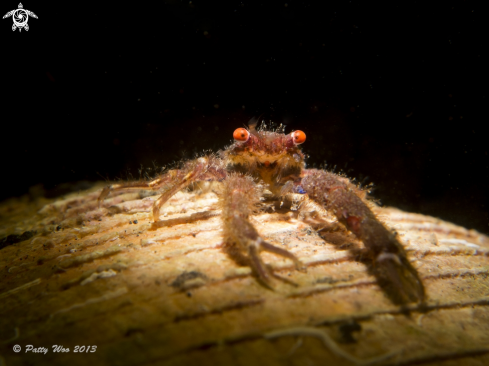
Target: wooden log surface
x,y
73,274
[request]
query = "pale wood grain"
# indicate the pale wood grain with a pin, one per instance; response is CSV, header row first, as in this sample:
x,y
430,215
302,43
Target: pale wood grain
x,y
168,293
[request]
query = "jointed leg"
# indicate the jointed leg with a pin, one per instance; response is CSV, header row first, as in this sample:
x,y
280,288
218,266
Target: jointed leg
x,y
175,180
155,184
239,198
391,265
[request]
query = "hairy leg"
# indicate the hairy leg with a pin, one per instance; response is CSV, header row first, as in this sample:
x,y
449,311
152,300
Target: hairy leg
x,y
155,184
239,198
390,263
204,168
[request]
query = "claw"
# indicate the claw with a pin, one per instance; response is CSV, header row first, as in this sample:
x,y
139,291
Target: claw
x,y
284,253
248,238
390,265
259,266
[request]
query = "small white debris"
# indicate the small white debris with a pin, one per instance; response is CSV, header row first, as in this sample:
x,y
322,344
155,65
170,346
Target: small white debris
x,y
459,241
96,275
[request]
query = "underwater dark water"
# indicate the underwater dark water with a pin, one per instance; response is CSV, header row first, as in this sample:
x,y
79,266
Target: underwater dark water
x,y
395,96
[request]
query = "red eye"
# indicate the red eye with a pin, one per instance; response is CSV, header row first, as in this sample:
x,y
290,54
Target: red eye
x,y
241,134
299,137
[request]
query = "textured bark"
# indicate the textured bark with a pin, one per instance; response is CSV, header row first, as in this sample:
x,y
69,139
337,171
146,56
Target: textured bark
x,y
169,292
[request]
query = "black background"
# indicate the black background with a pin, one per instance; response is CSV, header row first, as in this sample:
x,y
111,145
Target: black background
x,y
394,94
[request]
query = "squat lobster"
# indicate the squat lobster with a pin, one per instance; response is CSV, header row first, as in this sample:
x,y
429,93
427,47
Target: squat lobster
x,y
273,159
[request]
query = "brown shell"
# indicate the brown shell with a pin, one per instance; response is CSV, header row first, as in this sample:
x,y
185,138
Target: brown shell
x,y
167,293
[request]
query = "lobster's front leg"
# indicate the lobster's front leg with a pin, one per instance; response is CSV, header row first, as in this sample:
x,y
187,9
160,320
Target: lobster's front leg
x,y
390,263
239,198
